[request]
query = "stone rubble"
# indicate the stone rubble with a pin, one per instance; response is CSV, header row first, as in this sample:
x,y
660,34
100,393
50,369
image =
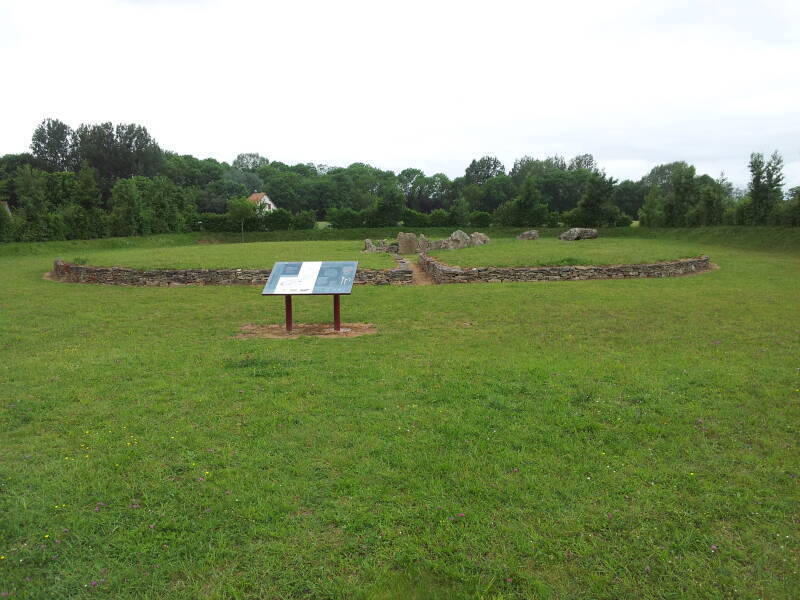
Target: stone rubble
x,y
578,233
409,243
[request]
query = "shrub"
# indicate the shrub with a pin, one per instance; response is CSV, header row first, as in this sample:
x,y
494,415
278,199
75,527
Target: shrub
x,y
215,222
413,218
345,218
279,219
440,218
480,218
305,219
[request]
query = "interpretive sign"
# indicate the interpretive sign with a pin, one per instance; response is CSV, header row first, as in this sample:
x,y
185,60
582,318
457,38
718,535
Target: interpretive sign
x,y
313,278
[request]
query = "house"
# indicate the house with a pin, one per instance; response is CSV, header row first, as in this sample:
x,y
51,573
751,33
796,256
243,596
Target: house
x,y
262,202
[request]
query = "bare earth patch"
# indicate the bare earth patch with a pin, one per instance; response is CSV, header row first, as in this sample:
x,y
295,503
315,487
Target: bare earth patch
x,y
323,330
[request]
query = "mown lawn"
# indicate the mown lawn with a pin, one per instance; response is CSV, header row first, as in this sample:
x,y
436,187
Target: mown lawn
x,y
599,439
546,251
254,255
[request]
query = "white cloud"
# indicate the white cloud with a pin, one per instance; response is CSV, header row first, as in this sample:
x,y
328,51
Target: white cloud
x,y
426,84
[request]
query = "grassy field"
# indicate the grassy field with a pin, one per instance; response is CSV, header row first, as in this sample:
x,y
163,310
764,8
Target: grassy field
x,y
256,255
511,252
597,439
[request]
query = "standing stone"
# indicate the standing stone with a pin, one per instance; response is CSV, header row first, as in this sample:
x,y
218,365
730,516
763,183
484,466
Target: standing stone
x,y
458,239
407,243
478,239
578,233
369,246
531,234
423,244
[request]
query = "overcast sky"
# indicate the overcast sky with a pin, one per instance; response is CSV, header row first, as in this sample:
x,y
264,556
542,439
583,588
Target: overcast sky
x,y
424,84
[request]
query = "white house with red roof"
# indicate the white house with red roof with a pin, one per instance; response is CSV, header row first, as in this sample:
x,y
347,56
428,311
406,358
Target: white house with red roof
x,y
261,202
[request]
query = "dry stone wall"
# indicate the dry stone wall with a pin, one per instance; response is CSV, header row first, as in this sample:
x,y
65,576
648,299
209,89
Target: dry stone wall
x,y
68,272
442,273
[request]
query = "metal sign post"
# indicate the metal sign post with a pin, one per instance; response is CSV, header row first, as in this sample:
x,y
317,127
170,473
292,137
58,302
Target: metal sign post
x,y
333,278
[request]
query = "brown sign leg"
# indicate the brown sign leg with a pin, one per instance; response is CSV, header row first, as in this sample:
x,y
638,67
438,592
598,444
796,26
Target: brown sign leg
x,y
337,319
288,305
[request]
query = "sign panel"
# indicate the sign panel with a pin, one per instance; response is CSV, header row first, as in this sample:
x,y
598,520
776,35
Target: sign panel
x,y
311,278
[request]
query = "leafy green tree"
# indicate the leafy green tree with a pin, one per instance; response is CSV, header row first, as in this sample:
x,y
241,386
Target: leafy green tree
x,y
6,223
86,195
480,218
305,219
789,211
652,212
681,194
344,218
53,146
188,171
482,170
459,213
496,191
415,218
390,204
240,210
248,179
585,162
440,218
31,188
126,209
118,152
249,161
765,188
528,166
629,196
279,219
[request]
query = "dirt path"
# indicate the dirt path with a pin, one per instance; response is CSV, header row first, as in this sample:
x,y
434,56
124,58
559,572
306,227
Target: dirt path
x,y
419,276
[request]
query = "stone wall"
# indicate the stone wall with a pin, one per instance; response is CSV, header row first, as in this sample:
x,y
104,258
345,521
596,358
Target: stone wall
x,y
442,273
63,271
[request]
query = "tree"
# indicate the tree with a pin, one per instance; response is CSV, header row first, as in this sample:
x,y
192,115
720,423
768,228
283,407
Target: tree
x,y
53,146
344,218
279,219
652,212
305,219
126,209
681,194
118,152
585,162
629,196
6,223
595,208
31,188
496,191
765,188
390,205
482,170
241,210
249,161
528,166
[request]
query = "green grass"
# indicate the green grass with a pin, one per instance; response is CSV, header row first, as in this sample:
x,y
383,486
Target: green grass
x,y
598,439
256,255
511,252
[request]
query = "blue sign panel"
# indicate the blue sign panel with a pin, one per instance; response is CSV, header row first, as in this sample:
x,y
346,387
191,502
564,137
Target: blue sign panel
x,y
311,278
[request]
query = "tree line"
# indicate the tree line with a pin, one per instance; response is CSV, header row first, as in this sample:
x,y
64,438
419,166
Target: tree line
x,y
114,180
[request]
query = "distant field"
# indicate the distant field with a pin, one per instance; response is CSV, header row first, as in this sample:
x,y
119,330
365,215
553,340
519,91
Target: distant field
x,y
510,252
626,439
254,255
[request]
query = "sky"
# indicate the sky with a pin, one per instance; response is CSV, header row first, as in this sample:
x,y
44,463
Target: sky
x,y
430,84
